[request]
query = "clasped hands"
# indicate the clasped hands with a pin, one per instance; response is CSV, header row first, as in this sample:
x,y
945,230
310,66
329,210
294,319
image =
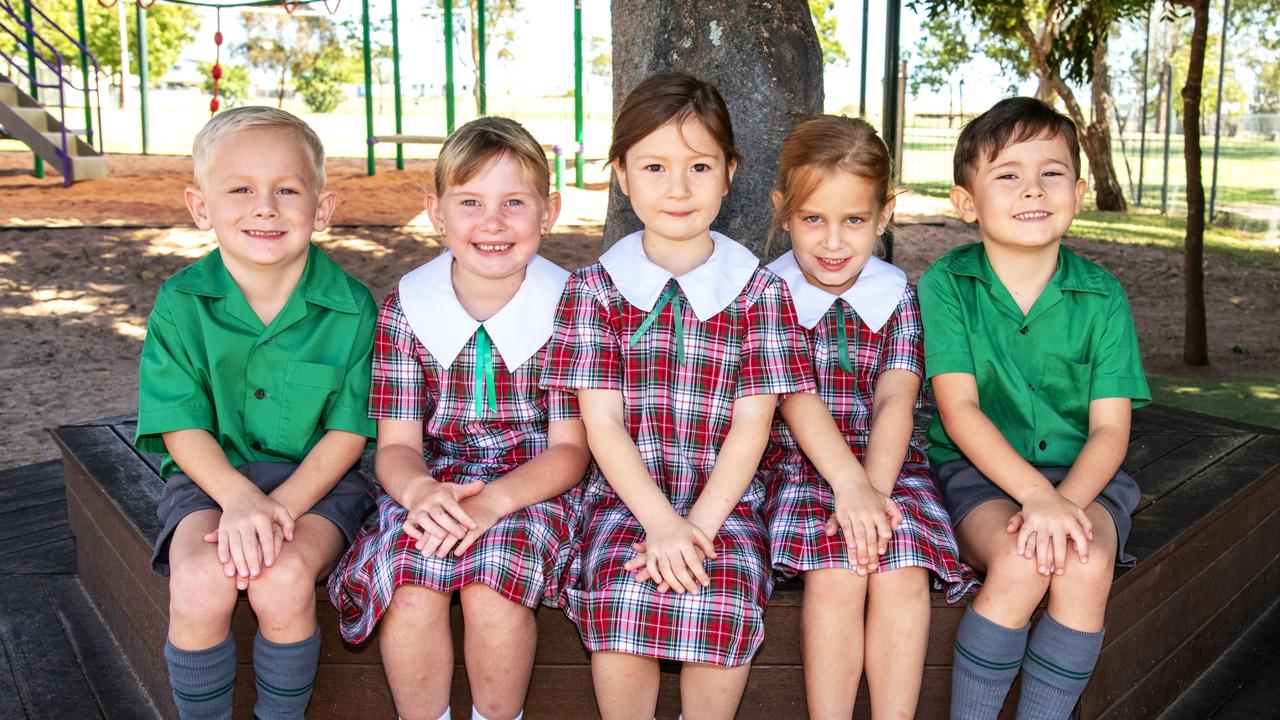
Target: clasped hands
x,y
1045,525
446,517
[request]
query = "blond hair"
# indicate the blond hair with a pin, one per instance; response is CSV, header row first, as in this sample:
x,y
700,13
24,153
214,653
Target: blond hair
x,y
821,145
473,146
229,123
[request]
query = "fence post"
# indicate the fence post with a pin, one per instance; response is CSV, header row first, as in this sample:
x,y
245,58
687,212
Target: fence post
x,y
1168,133
1217,123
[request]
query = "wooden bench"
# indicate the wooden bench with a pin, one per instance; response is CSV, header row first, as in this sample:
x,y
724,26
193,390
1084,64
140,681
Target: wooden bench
x,y
1207,535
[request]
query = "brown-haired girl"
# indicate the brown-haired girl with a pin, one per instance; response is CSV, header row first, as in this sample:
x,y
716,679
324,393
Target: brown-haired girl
x,y
864,527
678,345
477,465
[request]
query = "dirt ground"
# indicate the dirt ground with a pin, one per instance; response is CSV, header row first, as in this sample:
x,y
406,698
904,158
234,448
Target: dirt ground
x,y
80,267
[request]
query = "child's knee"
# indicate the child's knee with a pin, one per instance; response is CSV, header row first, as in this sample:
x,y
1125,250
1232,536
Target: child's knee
x,y
836,586
1088,581
418,604
903,585
1008,570
199,588
484,607
287,589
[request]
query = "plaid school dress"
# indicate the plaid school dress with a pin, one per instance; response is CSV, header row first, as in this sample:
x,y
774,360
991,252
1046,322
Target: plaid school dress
x,y
723,331
474,386
878,322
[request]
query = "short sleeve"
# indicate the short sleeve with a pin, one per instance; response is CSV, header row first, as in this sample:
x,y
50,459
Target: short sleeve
x,y
350,411
562,405
1117,360
775,352
903,347
583,352
397,386
946,345
171,393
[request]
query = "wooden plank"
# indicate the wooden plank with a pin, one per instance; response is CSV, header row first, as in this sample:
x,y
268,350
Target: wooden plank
x,y
10,698
1146,449
1182,464
1247,661
16,484
17,498
1258,698
118,471
44,517
45,668
126,431
54,557
1187,421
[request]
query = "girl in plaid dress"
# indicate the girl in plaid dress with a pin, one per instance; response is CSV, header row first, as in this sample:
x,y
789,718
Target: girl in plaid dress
x,y
850,503
677,344
477,465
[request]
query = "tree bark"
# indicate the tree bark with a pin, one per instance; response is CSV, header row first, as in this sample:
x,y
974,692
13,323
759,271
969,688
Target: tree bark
x,y
764,58
1195,344
1096,136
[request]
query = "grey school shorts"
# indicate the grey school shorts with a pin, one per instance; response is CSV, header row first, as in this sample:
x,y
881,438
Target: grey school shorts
x,y
346,505
963,487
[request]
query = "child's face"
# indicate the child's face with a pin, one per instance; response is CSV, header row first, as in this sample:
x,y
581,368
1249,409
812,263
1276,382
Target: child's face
x,y
833,232
494,222
676,177
1026,197
258,193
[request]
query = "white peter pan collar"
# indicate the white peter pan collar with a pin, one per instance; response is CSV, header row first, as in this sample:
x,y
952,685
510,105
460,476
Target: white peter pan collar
x,y
519,329
710,287
874,296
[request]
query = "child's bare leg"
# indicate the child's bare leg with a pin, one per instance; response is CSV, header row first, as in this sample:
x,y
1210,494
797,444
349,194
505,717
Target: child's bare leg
x,y
201,596
626,685
500,640
897,637
1078,597
417,651
711,692
831,641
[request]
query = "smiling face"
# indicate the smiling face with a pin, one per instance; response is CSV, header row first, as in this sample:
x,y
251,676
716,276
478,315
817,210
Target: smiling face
x,y
834,230
493,222
1026,197
258,194
676,178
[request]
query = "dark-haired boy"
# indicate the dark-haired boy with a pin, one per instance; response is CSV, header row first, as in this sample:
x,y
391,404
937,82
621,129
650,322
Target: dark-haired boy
x,y
1034,362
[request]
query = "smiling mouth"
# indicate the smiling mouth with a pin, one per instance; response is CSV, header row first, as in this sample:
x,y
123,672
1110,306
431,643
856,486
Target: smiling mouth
x,y
832,263
493,247
1032,216
265,234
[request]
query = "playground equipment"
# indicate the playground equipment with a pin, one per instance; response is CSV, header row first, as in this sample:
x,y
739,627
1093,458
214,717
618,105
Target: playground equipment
x,y
40,126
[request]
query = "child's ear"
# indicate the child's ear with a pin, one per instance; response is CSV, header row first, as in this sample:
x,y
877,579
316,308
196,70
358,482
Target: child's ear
x,y
199,210
962,201
620,173
886,213
1081,186
552,213
325,205
433,211
733,167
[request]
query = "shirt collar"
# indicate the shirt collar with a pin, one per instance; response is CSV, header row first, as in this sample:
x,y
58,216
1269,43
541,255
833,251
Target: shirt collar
x,y
519,329
873,297
710,287
1073,273
322,283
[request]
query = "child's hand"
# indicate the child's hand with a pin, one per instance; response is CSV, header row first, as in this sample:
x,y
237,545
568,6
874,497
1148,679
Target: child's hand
x,y
250,535
435,513
484,508
672,556
1051,519
867,517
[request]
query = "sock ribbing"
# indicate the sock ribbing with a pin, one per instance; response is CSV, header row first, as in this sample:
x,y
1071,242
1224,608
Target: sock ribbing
x,y
203,681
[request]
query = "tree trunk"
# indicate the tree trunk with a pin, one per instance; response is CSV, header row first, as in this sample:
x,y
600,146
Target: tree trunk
x,y
1096,137
764,58
1195,344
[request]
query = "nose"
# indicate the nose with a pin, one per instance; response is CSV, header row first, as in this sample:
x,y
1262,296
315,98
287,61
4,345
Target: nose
x,y
678,186
491,220
266,206
831,240
1034,188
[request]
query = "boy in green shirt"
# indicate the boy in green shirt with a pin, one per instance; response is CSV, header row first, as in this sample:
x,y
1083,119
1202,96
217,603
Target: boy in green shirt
x,y
1034,362
254,385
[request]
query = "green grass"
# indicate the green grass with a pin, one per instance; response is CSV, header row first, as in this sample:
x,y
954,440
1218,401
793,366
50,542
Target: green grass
x,y
1143,226
1247,399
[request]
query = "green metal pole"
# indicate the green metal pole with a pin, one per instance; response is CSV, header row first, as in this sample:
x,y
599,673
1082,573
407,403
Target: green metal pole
x,y
862,70
368,87
141,17
579,179
559,153
38,170
889,111
448,66
483,109
395,72
84,72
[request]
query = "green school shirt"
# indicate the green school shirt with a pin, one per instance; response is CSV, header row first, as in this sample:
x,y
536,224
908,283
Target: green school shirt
x,y
266,394
1036,374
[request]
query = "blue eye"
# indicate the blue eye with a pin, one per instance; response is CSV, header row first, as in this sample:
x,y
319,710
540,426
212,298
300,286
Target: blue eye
x,y
515,202
288,191
811,219
239,190
855,220
470,203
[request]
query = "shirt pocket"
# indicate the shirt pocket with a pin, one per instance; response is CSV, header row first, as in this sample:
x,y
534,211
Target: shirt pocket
x,y
1064,386
308,388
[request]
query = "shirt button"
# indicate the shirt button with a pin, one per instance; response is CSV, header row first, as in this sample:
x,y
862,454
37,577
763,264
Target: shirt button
x,y
259,393
1043,444
1031,387
268,341
1024,330
258,446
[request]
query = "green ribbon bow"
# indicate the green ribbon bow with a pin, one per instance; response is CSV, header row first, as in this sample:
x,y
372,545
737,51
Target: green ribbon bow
x,y
670,296
483,387
842,338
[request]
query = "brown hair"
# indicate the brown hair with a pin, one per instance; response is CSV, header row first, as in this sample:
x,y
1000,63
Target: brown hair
x,y
671,97
821,145
474,145
256,117
1009,122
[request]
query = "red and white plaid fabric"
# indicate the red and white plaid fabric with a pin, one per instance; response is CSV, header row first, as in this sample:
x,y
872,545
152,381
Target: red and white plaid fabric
x,y
678,415
800,500
524,556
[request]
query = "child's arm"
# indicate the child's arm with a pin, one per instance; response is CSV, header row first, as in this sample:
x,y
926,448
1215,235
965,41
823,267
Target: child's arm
x,y
675,546
553,472
1046,513
865,514
331,458
434,509
246,535
737,462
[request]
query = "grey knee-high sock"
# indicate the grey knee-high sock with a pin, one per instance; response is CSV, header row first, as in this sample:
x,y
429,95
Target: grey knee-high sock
x,y
285,675
203,680
986,660
1058,664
